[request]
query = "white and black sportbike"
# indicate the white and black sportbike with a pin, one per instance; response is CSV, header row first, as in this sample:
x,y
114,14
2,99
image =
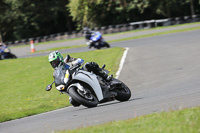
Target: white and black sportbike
x,y
87,89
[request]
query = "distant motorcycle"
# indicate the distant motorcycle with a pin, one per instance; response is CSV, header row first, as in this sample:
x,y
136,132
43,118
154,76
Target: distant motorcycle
x,y
5,53
96,40
88,89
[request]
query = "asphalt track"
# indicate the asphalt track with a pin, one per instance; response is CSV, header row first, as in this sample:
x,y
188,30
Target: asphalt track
x,y
163,73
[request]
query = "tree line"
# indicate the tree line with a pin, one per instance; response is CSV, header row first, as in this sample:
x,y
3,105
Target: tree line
x,y
21,19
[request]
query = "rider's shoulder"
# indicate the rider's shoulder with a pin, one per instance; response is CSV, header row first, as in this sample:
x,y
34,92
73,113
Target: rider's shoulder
x,y
58,68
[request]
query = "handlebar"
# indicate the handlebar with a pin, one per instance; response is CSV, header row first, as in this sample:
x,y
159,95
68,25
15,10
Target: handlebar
x,y
75,67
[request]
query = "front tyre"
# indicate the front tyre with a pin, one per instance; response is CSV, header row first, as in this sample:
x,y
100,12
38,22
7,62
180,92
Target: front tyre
x,y
107,45
13,56
86,99
123,92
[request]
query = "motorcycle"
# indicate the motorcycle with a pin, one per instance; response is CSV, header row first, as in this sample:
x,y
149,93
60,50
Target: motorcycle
x,y
96,41
5,53
89,90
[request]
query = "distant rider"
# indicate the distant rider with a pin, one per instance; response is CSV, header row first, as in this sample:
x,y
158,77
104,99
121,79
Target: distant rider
x,y
2,47
63,65
88,34
3,52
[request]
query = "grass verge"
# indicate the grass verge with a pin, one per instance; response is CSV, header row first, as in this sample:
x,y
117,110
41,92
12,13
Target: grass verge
x,y
23,82
61,48
182,121
157,34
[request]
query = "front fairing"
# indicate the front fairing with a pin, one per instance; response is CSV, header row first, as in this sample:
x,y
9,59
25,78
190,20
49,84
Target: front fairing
x,y
96,36
90,79
6,50
59,75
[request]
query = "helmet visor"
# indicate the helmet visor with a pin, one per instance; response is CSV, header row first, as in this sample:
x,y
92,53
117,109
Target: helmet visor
x,y
55,63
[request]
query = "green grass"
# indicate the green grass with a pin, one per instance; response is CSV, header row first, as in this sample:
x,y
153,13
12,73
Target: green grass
x,y
150,29
182,121
157,34
47,42
23,82
61,48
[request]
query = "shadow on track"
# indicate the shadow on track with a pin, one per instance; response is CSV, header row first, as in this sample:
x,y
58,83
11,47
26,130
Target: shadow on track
x,y
109,103
117,102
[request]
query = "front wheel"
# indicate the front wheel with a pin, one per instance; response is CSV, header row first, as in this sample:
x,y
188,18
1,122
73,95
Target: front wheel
x,y
123,92
13,56
85,98
1,57
107,45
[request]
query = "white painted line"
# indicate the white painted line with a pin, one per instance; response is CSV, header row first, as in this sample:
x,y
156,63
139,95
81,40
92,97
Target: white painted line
x,y
121,63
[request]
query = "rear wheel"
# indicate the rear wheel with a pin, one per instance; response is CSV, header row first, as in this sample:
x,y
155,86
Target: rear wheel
x,y
123,92
85,98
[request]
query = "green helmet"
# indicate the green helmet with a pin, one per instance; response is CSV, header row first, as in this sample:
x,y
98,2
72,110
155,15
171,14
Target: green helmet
x,y
55,59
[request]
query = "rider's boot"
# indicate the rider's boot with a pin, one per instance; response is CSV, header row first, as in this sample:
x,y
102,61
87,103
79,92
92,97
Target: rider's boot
x,y
93,66
104,75
99,71
73,102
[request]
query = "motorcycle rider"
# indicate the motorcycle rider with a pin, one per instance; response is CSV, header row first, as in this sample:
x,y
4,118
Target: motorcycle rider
x,y
2,46
2,50
88,34
63,65
5,52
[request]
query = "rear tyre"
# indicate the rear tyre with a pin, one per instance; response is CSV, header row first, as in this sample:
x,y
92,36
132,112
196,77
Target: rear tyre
x,y
86,99
123,92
